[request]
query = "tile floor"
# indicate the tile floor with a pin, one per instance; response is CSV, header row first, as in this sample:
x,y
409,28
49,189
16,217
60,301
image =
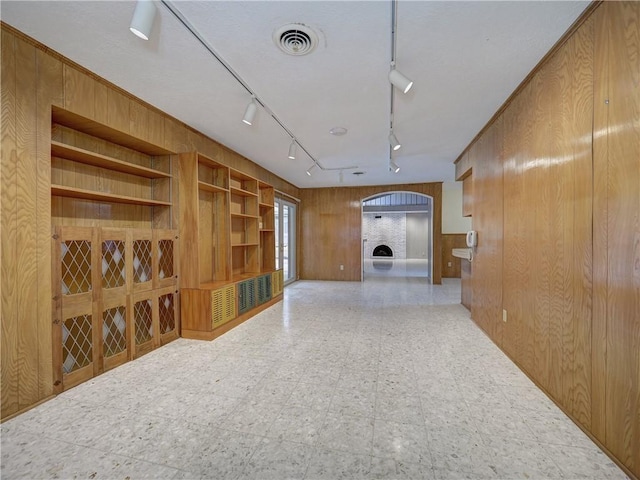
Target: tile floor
x,y
338,381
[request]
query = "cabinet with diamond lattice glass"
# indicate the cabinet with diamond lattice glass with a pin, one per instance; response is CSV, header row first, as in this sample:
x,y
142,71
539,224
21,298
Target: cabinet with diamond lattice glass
x,y
115,253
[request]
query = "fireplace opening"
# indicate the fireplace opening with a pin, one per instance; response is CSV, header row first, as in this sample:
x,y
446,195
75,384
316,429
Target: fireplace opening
x,y
383,251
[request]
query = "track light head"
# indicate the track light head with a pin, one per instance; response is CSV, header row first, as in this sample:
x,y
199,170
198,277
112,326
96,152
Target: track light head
x,y
250,112
393,166
311,168
292,150
400,81
142,20
393,141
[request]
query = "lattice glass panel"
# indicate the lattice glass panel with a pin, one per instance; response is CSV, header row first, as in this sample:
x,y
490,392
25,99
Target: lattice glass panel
x,y
113,271
114,331
165,258
141,261
76,266
77,344
166,311
143,321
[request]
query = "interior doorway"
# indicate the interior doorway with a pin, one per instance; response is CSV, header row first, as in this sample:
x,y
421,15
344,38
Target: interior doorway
x,y
397,235
285,225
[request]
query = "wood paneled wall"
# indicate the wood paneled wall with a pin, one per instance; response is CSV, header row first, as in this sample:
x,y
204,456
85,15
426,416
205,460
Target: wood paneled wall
x,y
331,229
556,203
449,242
32,79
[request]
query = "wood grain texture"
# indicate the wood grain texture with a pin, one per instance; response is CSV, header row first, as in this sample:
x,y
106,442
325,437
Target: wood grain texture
x,y
571,262
26,224
487,191
617,158
467,194
43,79
463,166
331,230
79,92
449,242
467,284
50,90
8,233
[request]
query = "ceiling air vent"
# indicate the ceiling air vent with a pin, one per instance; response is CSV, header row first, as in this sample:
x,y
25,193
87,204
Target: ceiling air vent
x,y
295,39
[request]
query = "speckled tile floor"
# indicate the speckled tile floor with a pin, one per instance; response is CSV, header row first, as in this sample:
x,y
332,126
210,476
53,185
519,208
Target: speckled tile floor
x,y
339,381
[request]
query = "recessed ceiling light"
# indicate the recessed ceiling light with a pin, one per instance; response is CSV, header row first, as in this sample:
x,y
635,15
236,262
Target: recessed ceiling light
x,y
338,131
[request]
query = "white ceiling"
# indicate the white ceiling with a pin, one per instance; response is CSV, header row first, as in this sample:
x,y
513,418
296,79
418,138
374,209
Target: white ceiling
x,y
465,58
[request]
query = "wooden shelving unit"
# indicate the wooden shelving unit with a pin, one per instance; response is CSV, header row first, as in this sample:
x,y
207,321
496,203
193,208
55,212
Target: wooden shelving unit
x,y
114,250
228,226
94,163
267,227
204,220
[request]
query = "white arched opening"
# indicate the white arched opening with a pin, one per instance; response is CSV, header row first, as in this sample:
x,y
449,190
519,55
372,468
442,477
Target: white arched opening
x,y
397,235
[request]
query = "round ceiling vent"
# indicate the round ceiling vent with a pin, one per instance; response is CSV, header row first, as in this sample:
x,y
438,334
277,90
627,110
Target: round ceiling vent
x,y
295,39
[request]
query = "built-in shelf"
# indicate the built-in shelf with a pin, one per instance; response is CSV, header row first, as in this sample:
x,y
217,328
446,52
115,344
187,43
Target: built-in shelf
x,y
243,215
207,187
87,157
267,230
245,244
91,127
72,192
241,192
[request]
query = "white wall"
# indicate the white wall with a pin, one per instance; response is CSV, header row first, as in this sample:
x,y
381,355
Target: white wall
x,y
452,219
390,230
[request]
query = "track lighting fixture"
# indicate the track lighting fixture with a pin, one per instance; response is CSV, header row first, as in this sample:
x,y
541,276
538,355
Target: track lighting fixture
x,y
250,112
292,150
142,20
400,81
311,168
393,166
393,140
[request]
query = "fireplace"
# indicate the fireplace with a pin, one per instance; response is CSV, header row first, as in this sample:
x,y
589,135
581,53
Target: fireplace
x,y
382,251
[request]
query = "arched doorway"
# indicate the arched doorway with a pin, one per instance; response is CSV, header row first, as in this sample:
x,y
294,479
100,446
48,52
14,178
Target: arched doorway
x,y
397,235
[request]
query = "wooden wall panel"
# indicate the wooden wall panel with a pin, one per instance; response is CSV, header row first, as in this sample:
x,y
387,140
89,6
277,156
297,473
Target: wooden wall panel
x,y
487,221
79,92
8,233
617,248
515,275
449,242
50,91
26,224
331,229
547,225
466,283
467,194
571,228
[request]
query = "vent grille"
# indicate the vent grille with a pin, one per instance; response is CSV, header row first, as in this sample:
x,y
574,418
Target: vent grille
x,y
295,39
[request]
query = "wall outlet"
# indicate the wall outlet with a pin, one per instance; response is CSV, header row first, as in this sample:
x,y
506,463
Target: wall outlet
x,y
449,264
341,267
504,315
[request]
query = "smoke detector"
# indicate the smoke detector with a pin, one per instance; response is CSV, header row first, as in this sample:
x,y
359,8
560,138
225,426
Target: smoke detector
x,y
295,39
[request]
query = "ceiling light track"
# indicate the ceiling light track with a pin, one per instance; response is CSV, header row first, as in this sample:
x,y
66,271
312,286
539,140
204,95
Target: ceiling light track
x,y
182,19
397,80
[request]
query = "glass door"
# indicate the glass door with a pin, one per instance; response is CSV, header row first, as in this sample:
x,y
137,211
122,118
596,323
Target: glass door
x,y
285,223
